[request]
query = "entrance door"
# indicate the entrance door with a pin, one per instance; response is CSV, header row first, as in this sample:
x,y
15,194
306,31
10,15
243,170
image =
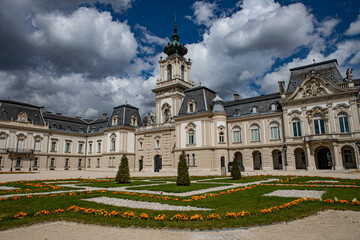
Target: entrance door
x,y
257,160
324,158
157,163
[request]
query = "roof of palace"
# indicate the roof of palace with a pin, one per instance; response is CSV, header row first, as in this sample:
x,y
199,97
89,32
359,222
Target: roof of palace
x,y
124,113
327,69
243,107
10,110
201,96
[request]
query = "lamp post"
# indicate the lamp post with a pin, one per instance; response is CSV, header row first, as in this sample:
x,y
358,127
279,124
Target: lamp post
x,y
358,146
285,151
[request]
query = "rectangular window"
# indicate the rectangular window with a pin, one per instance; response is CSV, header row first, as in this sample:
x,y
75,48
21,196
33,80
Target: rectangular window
x,y
67,162
157,144
236,136
80,149
112,162
191,137
90,147
80,163
112,147
297,129
20,146
52,162
188,159
67,147
18,162
193,160
98,163
2,143
1,161
255,135
53,146
37,145
319,125
99,147
140,146
36,162
344,124
274,133
89,161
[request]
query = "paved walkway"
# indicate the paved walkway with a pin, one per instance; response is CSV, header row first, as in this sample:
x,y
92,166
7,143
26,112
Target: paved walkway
x,y
328,225
103,174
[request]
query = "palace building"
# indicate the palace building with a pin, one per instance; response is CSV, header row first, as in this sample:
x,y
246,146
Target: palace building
x,y
313,123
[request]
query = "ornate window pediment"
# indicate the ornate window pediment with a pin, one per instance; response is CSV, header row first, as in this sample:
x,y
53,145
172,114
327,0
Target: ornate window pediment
x,y
191,106
190,125
318,119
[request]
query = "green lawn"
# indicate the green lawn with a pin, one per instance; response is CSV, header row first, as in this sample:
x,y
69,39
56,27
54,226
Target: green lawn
x,y
251,200
173,188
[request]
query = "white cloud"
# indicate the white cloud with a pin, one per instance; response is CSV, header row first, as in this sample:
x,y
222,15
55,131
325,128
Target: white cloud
x,y
354,28
239,49
326,27
203,13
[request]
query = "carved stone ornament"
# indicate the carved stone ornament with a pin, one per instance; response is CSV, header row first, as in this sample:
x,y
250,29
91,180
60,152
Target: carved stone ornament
x,y
317,110
166,109
313,88
150,119
23,117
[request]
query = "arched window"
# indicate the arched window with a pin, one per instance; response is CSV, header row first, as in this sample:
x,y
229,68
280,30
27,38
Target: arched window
x,y
344,122
255,132
296,127
221,137
274,131
273,107
191,107
191,139
236,135
319,124
254,110
182,73
169,72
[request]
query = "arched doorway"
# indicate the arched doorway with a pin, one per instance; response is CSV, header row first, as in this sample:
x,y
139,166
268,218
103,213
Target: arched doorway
x,y
257,160
300,160
277,159
157,163
323,158
348,157
239,158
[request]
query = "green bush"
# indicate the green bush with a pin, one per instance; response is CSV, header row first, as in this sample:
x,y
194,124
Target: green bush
x,y
235,170
123,174
183,178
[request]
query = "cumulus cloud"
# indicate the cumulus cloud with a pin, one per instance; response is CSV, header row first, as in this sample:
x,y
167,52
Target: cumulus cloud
x,y
238,49
354,28
326,27
203,13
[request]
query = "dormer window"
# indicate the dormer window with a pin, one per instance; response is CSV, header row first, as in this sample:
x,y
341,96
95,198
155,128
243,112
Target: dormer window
x,y
133,121
273,107
254,110
115,120
191,106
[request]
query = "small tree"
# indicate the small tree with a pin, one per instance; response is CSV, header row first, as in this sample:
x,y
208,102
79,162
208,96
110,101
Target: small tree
x,y
235,170
183,178
123,174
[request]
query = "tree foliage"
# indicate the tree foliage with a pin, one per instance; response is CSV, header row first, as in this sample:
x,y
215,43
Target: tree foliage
x,y
235,170
123,174
183,178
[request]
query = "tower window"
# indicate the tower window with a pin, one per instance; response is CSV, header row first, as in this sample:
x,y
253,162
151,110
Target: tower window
x,y
182,73
169,72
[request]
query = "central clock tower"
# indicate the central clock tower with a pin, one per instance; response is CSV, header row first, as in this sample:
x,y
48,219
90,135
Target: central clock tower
x,y
174,80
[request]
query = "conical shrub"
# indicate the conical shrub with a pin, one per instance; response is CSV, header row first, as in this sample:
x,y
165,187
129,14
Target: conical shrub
x,y
123,174
183,178
235,170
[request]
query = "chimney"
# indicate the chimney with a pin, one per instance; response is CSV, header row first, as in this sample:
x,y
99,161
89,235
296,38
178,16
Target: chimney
x,y
104,115
236,96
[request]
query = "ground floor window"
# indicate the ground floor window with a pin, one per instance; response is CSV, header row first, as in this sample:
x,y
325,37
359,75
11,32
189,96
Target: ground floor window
x,y
89,161
80,162
98,163
112,162
36,162
191,160
52,162
1,161
67,162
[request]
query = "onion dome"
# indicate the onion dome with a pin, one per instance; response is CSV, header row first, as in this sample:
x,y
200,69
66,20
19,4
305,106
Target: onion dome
x,y
218,104
175,47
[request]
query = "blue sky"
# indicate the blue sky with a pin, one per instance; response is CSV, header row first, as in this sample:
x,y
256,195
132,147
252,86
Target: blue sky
x,y
83,57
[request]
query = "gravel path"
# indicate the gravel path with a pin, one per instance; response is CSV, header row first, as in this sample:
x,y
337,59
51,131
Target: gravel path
x,y
143,204
330,225
296,193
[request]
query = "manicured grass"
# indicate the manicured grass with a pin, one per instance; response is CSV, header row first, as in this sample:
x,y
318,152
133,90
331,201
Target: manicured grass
x,y
173,188
112,184
222,202
242,180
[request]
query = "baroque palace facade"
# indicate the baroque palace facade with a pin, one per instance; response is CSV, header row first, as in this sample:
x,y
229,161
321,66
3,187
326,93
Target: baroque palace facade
x,y
312,124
